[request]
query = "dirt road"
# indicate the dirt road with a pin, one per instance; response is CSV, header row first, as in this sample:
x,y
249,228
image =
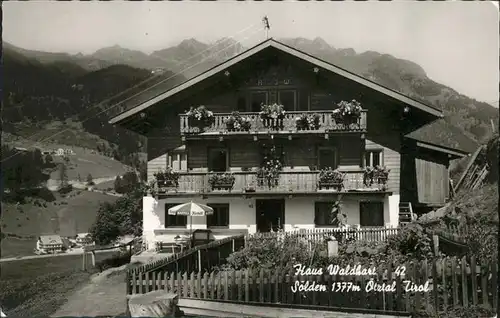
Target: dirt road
x,y
104,295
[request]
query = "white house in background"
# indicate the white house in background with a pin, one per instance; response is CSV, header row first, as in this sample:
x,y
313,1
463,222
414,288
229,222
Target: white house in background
x,y
84,239
69,152
59,152
391,130
49,244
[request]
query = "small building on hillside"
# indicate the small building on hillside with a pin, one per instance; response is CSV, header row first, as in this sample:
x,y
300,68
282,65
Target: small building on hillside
x,y
84,239
69,152
49,244
59,152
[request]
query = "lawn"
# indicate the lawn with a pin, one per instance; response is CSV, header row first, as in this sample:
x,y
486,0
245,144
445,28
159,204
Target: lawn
x,y
38,287
66,216
84,162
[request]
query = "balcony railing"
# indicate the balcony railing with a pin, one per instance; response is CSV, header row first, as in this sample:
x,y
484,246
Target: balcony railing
x,y
286,125
287,182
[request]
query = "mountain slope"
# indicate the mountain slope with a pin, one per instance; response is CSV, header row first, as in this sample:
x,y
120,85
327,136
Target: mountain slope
x,y
46,99
471,116
76,88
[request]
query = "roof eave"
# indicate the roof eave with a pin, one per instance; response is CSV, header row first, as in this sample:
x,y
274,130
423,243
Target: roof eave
x,y
287,49
453,152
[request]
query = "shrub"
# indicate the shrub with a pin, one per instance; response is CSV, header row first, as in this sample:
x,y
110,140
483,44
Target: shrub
x,y
117,260
457,312
280,251
411,244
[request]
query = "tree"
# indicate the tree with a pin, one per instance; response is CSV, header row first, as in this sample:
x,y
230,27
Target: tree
x,y
124,217
143,171
48,159
118,185
129,182
63,175
106,228
90,180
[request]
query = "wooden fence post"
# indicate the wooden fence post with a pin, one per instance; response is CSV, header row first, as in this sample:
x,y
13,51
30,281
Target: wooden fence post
x,y
84,261
93,258
435,241
199,260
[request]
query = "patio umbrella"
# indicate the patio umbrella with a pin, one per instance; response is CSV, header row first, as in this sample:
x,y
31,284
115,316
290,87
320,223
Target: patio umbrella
x,y
191,209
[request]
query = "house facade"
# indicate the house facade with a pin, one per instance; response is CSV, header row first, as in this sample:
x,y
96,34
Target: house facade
x,y
84,239
49,244
288,164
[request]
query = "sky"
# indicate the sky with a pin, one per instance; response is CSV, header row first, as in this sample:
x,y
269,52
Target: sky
x,y
455,42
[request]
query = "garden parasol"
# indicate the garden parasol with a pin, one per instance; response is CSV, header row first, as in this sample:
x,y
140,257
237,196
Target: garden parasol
x,y
191,209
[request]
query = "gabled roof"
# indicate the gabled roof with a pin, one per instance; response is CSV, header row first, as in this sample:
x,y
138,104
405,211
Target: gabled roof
x,y
286,49
441,136
50,239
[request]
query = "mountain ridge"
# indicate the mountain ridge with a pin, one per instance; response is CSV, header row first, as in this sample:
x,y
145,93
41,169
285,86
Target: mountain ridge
x,y
470,116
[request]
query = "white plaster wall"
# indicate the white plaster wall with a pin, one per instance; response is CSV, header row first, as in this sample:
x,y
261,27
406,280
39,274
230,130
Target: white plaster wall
x,y
299,214
393,206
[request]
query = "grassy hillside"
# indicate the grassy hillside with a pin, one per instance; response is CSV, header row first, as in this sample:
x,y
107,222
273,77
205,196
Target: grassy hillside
x,y
66,216
42,99
84,161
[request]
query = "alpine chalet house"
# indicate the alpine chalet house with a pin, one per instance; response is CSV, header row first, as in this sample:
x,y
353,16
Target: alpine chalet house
x,y
273,137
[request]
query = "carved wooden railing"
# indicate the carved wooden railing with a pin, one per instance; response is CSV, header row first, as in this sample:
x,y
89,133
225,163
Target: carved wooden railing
x,y
288,124
287,182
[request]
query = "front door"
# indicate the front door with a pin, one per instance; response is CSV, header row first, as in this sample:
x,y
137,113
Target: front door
x,y
270,215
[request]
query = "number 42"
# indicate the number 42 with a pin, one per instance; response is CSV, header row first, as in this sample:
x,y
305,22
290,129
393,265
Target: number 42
x,y
400,270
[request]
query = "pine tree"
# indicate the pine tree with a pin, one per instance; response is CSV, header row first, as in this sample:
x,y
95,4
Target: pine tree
x,y
63,175
90,180
118,184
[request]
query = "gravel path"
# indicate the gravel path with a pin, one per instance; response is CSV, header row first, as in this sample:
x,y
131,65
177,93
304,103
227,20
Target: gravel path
x,y
104,295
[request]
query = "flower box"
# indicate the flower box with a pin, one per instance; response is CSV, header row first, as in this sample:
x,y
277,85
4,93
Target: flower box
x,y
347,113
200,117
308,122
222,181
236,122
167,179
376,176
272,116
330,185
331,179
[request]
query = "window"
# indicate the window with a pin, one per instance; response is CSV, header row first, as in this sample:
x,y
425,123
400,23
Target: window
x,y
371,213
326,158
257,99
323,214
218,159
220,218
174,220
303,101
242,104
287,99
374,158
177,161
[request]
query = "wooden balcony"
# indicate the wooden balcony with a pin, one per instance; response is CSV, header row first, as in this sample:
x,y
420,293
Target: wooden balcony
x,y
300,182
287,125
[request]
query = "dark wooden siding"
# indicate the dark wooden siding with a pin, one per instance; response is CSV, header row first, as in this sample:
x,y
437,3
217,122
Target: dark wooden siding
x,y
303,152
425,179
432,177
162,140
